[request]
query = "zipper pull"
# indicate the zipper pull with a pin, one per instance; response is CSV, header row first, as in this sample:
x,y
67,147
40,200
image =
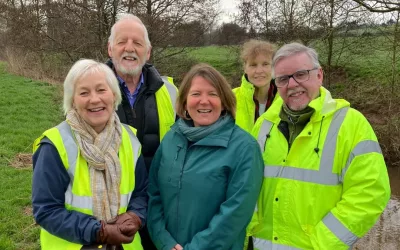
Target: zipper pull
x,y
177,153
134,113
290,119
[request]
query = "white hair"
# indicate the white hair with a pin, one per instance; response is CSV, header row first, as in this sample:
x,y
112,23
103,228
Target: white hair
x,y
127,16
294,49
82,68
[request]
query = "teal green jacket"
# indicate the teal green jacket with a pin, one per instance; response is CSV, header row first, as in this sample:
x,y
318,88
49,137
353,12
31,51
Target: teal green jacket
x,y
202,195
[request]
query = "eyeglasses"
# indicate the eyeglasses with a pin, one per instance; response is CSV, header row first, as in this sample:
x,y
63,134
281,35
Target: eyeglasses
x,y
299,76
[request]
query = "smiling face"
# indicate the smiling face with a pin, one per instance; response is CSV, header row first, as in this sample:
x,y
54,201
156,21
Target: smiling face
x,y
94,100
203,102
297,96
258,70
128,49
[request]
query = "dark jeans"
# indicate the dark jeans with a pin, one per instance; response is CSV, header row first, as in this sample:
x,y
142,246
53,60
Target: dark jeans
x,y
147,243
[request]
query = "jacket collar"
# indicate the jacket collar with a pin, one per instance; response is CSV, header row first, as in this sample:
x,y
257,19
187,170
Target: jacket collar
x,y
219,138
324,105
247,86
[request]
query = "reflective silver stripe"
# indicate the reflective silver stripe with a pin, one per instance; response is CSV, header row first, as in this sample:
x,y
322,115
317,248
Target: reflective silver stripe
x,y
134,142
262,244
82,202
300,174
125,199
86,202
324,175
70,147
363,147
263,133
173,93
329,150
136,151
338,229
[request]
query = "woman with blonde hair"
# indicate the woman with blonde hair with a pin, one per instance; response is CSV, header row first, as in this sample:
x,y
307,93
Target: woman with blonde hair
x,y
89,179
206,175
257,90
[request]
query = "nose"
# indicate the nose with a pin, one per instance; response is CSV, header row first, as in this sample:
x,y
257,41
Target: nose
x,y
129,46
94,98
259,68
203,99
292,82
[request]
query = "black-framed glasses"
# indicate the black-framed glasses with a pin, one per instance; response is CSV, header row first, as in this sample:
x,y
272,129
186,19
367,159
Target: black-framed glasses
x,y
299,76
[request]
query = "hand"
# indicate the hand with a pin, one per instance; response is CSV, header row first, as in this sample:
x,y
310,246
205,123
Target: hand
x,y
115,234
128,218
177,247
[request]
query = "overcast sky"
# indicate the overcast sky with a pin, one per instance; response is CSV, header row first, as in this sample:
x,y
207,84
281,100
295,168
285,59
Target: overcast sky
x,y
227,7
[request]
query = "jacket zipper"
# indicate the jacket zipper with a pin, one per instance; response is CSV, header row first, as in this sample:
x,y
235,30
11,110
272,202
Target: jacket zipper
x,y
292,133
179,188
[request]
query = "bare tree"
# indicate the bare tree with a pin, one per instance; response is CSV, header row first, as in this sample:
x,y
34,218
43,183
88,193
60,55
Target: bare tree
x,y
380,5
65,30
255,16
165,17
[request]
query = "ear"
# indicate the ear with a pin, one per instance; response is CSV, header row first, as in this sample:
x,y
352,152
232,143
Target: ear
x,y
109,49
148,54
244,67
320,76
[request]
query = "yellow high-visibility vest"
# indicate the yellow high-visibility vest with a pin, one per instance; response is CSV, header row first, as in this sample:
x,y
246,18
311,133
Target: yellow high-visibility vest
x,y
78,196
166,100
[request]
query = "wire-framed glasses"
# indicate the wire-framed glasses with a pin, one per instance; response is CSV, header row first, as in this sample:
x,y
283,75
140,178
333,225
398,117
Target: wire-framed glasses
x,y
299,76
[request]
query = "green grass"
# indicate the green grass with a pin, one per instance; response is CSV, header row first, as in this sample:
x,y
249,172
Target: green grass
x,y
27,109
363,58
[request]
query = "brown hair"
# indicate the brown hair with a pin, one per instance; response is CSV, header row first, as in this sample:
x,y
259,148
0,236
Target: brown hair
x,y
216,79
252,48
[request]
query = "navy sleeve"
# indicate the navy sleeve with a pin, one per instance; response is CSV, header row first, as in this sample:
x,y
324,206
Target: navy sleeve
x,y
49,183
139,198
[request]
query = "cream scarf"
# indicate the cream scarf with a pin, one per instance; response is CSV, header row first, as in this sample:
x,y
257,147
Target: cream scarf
x,y
101,153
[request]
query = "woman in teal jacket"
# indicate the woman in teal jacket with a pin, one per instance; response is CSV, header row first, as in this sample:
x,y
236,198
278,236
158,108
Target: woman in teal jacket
x,y
257,90
206,175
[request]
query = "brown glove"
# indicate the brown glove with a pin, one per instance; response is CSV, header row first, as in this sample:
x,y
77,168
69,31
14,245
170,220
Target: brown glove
x,y
115,234
131,219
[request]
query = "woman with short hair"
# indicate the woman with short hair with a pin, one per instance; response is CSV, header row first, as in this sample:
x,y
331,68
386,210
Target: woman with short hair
x,y
89,179
257,90
206,175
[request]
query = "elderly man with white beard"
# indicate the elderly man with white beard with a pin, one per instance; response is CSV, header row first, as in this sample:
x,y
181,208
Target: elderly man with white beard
x,y
325,179
148,100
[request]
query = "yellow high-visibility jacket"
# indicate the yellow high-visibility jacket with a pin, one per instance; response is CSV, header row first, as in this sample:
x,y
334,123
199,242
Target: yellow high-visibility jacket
x,y
245,106
78,196
166,99
329,189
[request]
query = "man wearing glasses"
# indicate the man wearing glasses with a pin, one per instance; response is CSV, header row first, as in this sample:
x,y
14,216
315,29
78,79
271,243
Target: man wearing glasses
x,y
325,179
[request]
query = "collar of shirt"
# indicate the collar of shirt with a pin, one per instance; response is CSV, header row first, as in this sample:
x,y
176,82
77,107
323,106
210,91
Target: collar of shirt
x,y
131,96
270,98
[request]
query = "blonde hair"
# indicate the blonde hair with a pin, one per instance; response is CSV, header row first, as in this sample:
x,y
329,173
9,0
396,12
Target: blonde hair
x,y
216,79
252,48
85,67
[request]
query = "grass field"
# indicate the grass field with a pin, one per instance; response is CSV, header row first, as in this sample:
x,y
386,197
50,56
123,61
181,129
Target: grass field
x,y
27,109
